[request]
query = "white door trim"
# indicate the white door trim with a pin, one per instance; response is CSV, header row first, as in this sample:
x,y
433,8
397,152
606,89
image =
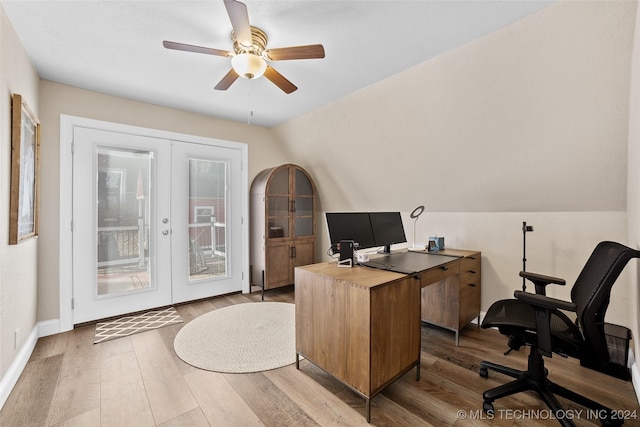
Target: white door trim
x,y
67,124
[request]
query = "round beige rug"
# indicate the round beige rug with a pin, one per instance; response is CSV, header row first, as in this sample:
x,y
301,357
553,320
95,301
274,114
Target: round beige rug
x,y
241,338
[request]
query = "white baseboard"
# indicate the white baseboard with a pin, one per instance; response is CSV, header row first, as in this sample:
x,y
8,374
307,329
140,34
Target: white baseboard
x,y
10,379
635,374
48,327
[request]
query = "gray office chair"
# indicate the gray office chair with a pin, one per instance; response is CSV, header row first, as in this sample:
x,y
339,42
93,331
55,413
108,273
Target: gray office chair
x,y
536,320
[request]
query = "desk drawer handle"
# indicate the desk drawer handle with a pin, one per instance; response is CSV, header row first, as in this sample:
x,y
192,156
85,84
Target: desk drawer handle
x,y
472,271
445,268
473,285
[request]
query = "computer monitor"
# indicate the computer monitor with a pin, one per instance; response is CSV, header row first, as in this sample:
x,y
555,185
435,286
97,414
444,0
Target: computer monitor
x,y
387,229
354,226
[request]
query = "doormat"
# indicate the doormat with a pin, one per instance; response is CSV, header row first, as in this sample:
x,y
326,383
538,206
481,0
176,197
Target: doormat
x,y
130,325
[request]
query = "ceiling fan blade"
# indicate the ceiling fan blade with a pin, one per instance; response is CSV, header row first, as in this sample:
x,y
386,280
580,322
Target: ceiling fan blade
x,y
279,80
196,49
239,18
296,52
227,80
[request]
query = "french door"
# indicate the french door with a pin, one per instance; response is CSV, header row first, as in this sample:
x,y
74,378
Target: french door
x,y
155,221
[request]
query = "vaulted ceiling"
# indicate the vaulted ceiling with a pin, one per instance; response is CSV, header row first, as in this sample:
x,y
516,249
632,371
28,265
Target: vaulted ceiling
x,y
115,47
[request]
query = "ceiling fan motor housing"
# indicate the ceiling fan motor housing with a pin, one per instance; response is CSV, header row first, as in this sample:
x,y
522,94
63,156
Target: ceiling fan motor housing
x,y
259,39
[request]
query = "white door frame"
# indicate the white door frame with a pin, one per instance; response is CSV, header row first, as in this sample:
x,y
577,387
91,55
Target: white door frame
x,y
67,124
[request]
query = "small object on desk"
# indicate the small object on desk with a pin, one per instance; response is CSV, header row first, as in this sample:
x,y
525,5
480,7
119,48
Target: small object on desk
x,y
346,253
363,258
435,244
345,263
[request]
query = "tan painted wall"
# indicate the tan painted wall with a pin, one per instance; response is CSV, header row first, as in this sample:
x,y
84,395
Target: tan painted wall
x,y
528,124
18,263
633,186
57,99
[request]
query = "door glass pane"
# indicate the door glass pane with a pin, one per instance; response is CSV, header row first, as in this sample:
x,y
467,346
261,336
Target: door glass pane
x,y
122,240
207,224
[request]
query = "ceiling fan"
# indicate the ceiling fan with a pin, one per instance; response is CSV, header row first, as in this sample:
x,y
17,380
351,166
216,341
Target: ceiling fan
x,y
249,58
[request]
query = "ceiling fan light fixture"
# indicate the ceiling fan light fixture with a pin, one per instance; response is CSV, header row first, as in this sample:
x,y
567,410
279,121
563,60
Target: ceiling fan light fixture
x,y
249,65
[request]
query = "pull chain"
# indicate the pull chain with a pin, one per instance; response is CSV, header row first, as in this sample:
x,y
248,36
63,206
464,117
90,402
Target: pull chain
x,y
249,99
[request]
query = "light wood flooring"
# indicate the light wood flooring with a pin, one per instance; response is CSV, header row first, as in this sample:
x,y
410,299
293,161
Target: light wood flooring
x,y
139,381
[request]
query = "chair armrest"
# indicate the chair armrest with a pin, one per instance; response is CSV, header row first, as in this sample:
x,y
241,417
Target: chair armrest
x,y
543,305
541,281
544,301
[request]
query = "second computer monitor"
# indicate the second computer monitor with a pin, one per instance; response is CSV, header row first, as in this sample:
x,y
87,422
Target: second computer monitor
x,y
387,229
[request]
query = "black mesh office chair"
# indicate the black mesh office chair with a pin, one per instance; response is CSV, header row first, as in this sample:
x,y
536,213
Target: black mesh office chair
x,y
536,320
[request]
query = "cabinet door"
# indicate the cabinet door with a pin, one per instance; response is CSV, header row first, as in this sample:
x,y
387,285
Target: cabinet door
x,y
440,303
278,207
303,205
278,265
304,253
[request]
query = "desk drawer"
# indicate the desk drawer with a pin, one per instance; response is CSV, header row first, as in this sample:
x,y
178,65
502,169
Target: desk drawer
x,y
470,264
438,274
470,293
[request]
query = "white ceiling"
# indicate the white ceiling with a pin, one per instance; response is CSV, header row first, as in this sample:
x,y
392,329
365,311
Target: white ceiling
x,y
115,47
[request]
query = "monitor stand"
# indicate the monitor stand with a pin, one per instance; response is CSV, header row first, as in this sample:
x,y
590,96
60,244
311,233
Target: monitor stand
x,y
385,250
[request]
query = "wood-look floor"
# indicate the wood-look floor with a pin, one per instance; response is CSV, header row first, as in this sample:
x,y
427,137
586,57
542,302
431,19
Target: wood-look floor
x,y
139,381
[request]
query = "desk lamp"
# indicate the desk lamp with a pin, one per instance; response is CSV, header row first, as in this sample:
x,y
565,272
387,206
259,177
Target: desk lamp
x,y
525,228
415,214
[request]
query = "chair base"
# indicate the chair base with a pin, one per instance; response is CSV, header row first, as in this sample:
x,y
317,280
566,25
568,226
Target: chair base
x,y
535,378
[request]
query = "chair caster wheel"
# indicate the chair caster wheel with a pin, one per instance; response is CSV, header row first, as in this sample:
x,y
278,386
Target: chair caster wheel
x,y
484,372
487,408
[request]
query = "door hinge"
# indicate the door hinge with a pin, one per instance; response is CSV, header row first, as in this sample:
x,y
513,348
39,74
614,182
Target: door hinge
x,y
73,303
73,148
72,226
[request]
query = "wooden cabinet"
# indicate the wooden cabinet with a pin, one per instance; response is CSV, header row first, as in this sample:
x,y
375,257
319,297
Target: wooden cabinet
x,y
283,225
360,325
454,301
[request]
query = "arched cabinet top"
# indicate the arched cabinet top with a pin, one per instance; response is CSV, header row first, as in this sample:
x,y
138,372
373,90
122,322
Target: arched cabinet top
x,y
264,179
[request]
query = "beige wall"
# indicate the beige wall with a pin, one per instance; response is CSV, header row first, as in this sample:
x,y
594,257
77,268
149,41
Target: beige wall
x,y
526,124
57,99
18,272
633,188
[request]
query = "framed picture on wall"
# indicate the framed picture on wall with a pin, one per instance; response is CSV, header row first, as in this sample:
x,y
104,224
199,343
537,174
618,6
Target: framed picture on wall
x,y
25,167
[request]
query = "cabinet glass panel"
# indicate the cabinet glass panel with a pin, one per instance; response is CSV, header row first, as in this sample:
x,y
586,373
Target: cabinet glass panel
x,y
304,226
278,206
304,206
278,227
303,185
279,183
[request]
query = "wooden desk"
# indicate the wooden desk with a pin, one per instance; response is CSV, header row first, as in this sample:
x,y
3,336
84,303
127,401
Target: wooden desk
x,y
362,325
